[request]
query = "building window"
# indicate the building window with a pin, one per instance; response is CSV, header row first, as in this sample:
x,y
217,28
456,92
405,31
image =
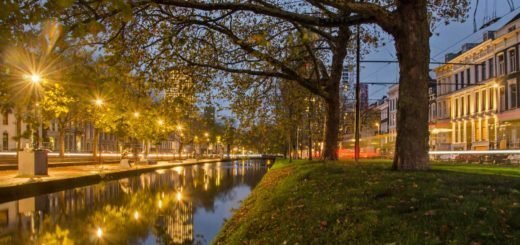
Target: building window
x,y
468,76
5,119
502,99
483,100
5,141
456,82
468,105
462,79
512,60
476,102
501,65
462,106
477,68
512,93
483,71
490,68
456,114
491,98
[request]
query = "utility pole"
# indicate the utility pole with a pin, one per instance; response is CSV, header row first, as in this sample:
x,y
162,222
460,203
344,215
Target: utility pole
x,y
358,105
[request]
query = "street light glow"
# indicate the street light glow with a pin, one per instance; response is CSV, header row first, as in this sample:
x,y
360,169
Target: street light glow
x,y
136,215
99,232
160,204
99,102
136,114
35,78
160,121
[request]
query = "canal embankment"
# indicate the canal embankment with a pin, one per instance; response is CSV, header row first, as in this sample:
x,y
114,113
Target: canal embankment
x,y
345,203
13,186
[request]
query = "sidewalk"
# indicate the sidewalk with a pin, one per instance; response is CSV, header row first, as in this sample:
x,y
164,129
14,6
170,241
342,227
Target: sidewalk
x,y
13,187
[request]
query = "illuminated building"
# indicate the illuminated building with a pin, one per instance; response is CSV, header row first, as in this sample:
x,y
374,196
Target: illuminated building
x,y
477,94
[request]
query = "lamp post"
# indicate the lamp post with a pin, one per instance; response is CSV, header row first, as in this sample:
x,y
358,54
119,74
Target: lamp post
x,y
36,80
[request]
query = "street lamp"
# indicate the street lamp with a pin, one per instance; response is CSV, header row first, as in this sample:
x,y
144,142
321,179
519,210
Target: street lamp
x,y
160,122
99,102
35,78
99,232
136,114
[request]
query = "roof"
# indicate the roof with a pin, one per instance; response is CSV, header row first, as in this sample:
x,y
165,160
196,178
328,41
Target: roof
x,y
513,19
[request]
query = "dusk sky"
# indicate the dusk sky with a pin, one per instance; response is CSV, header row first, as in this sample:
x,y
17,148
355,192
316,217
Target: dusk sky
x,y
446,39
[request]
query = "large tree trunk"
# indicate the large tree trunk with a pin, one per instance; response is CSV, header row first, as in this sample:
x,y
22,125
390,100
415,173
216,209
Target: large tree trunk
x,y
330,151
413,52
62,141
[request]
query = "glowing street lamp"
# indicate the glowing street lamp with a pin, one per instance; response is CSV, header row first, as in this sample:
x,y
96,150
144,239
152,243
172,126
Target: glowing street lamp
x,y
136,114
99,232
136,215
35,78
179,196
99,102
160,122
160,204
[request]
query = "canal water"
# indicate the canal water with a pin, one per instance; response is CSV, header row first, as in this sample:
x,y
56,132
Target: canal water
x,y
181,205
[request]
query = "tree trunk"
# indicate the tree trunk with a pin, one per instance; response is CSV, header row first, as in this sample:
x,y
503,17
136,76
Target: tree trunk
x,y
181,145
413,52
146,148
228,150
62,141
18,133
95,143
330,151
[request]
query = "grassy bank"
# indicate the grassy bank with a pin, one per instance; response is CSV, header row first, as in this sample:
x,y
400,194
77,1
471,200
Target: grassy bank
x,y
340,202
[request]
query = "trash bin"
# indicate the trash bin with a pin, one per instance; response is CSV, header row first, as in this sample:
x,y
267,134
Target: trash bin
x,y
32,162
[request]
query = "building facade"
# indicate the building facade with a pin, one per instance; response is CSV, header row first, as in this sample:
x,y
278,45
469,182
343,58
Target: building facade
x,y
477,104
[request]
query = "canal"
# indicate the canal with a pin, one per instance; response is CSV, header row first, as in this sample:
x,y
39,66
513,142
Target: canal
x,y
181,205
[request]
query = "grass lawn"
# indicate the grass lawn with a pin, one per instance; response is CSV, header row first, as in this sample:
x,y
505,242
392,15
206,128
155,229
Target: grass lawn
x,y
344,203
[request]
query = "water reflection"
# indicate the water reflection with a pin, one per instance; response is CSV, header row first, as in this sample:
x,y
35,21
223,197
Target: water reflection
x,y
182,205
